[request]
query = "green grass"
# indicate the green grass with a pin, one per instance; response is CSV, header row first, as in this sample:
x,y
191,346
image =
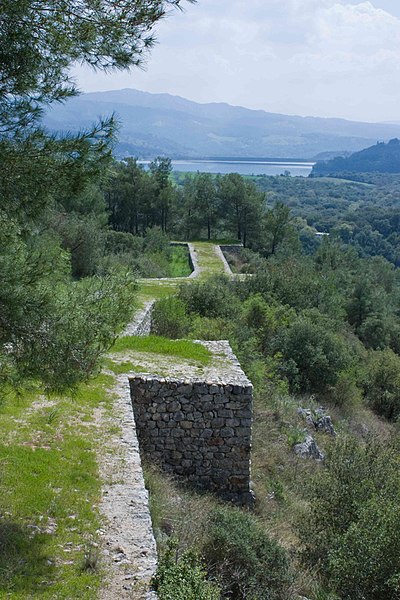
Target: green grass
x,y
49,490
123,367
160,345
149,289
179,265
208,259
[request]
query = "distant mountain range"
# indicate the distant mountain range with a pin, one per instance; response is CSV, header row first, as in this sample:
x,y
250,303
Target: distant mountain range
x,y
380,158
161,124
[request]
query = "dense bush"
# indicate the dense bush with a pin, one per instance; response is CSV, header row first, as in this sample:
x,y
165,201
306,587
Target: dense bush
x,y
352,530
248,564
382,383
212,298
313,355
81,322
169,318
150,255
183,577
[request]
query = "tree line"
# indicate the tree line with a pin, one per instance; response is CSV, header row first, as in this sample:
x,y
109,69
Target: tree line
x,y
204,205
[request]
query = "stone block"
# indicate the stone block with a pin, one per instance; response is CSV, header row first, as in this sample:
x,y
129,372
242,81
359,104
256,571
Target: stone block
x,y
179,416
173,406
226,432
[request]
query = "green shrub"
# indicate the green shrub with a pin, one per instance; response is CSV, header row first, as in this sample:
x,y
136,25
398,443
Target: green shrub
x,y
204,328
156,240
345,392
315,356
366,564
352,529
121,242
86,318
375,332
211,298
183,578
382,383
169,318
247,563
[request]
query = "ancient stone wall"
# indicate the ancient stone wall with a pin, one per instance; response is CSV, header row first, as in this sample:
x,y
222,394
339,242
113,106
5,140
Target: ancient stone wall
x,y
141,325
197,430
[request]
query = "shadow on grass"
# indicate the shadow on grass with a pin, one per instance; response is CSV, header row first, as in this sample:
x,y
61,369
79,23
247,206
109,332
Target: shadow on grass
x,y
24,564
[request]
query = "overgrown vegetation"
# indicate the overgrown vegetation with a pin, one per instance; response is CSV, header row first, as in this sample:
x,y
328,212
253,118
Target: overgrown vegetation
x,y
310,331
316,325
183,577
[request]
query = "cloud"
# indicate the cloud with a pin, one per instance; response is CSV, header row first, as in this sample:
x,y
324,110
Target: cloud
x,y
322,57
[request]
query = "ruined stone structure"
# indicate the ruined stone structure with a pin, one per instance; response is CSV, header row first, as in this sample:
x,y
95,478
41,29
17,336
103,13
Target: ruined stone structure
x,y
199,429
141,325
196,425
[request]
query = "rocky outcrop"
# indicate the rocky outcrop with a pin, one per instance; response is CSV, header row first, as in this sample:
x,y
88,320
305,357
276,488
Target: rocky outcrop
x,y
318,419
308,449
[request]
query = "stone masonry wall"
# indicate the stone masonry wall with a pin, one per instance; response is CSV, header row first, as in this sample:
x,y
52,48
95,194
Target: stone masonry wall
x,y
197,430
141,325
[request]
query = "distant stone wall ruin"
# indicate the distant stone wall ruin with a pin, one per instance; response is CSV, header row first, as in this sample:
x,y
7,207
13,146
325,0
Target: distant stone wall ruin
x,y
196,430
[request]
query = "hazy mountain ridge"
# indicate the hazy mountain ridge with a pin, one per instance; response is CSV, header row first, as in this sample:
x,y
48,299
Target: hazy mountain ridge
x,y
380,158
154,124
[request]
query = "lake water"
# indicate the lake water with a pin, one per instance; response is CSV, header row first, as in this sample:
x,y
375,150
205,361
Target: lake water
x,y
243,167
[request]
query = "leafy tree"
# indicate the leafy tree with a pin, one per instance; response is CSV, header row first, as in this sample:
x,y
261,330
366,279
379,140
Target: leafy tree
x,y
206,201
161,169
129,196
276,225
360,305
317,354
50,327
242,204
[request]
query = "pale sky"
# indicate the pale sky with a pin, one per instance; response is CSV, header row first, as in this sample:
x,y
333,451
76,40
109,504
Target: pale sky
x,y
329,58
